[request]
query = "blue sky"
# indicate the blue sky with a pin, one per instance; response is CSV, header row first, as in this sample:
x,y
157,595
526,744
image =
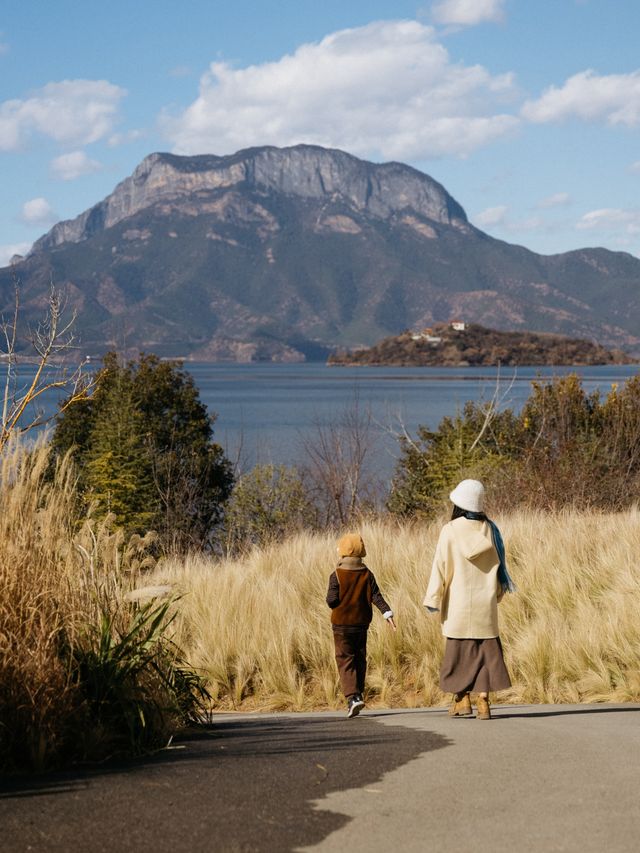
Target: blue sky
x,y
527,112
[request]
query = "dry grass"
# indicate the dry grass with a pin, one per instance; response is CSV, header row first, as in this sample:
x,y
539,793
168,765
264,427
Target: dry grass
x,y
63,588
258,627
37,606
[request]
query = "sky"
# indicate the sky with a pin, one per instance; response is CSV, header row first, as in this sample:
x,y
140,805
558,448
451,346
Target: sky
x,y
527,111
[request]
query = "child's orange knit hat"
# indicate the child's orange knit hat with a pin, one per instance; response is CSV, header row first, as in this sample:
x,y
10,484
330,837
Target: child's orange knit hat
x,y
351,545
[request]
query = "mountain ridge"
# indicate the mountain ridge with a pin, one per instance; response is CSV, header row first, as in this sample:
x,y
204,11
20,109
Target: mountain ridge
x,y
251,167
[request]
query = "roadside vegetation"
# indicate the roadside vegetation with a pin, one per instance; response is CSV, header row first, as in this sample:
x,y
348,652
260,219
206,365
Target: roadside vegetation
x,y
88,665
257,627
146,580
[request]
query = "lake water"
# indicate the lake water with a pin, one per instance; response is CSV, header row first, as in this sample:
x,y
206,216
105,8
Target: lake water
x,y
268,409
265,411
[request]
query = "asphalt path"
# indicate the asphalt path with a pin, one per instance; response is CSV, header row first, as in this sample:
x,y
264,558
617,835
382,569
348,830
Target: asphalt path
x,y
534,778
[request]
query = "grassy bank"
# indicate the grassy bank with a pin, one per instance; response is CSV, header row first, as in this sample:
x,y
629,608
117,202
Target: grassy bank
x,y
258,627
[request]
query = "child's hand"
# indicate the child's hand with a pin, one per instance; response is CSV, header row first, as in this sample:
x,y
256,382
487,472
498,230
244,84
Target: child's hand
x,y
392,623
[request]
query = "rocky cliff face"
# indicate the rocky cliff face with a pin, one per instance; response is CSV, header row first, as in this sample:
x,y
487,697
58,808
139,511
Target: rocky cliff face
x,y
305,171
282,254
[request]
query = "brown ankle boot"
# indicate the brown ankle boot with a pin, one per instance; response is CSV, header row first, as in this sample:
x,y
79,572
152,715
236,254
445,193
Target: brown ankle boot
x,y
483,709
461,707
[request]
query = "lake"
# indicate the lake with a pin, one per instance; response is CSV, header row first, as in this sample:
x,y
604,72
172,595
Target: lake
x,y
265,411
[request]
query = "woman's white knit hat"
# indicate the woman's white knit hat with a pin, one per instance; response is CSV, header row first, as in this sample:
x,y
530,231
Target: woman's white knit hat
x,y
469,495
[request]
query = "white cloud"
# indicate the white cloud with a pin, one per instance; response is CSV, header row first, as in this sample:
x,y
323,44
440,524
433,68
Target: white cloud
x,y
10,249
613,98
68,167
491,216
611,219
498,218
73,112
468,12
123,138
38,211
388,89
555,200
634,168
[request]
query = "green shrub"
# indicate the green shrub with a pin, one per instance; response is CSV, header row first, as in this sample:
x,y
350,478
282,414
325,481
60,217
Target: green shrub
x,y
565,448
135,685
475,443
267,503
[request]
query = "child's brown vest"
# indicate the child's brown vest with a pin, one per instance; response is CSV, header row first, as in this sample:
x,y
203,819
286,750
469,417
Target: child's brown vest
x,y
355,597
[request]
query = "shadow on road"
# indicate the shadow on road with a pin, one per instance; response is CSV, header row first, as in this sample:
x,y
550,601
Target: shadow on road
x,y
244,785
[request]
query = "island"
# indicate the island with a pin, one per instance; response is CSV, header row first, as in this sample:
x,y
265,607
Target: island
x,y
460,344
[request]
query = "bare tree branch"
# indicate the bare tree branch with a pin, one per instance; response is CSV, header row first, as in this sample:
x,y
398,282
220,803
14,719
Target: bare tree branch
x,y
338,456
52,341
493,407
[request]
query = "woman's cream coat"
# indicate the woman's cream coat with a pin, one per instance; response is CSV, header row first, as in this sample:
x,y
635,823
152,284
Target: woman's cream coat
x,y
464,581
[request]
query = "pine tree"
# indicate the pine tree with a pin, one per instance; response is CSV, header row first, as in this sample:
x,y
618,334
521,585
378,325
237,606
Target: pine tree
x,y
117,472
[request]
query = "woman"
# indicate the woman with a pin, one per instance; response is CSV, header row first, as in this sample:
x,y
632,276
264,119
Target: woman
x,y
468,579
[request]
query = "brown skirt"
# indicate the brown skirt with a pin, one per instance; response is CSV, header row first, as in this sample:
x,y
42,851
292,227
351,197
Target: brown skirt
x,y
473,665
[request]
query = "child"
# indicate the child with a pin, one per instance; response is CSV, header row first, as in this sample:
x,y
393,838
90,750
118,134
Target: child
x,y
352,590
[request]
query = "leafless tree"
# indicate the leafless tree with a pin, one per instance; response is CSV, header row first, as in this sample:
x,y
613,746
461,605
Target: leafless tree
x,y
51,343
340,464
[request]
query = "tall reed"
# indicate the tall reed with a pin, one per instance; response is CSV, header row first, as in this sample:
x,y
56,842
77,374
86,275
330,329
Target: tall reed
x,y
38,609
258,627
86,668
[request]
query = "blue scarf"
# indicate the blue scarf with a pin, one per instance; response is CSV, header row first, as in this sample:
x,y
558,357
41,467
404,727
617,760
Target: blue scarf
x,y
503,575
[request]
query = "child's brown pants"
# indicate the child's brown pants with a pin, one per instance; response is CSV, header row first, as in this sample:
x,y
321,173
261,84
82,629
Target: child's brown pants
x,y
351,657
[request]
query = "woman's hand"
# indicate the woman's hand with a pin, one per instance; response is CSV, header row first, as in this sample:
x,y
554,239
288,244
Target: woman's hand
x,y
392,623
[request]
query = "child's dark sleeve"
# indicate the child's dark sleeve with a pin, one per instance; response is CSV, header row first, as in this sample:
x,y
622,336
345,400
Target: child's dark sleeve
x,y
333,593
378,599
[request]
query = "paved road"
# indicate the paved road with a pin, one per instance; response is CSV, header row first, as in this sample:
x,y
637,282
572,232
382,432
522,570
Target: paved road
x,y
535,778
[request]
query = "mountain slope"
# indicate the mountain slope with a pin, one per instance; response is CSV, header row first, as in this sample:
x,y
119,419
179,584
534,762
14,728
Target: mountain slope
x,y
276,253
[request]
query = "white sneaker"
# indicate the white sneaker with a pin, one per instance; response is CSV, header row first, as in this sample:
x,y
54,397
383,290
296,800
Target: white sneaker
x,y
355,706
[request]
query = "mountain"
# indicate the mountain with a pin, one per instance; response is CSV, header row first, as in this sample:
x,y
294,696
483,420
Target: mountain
x,y
282,253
